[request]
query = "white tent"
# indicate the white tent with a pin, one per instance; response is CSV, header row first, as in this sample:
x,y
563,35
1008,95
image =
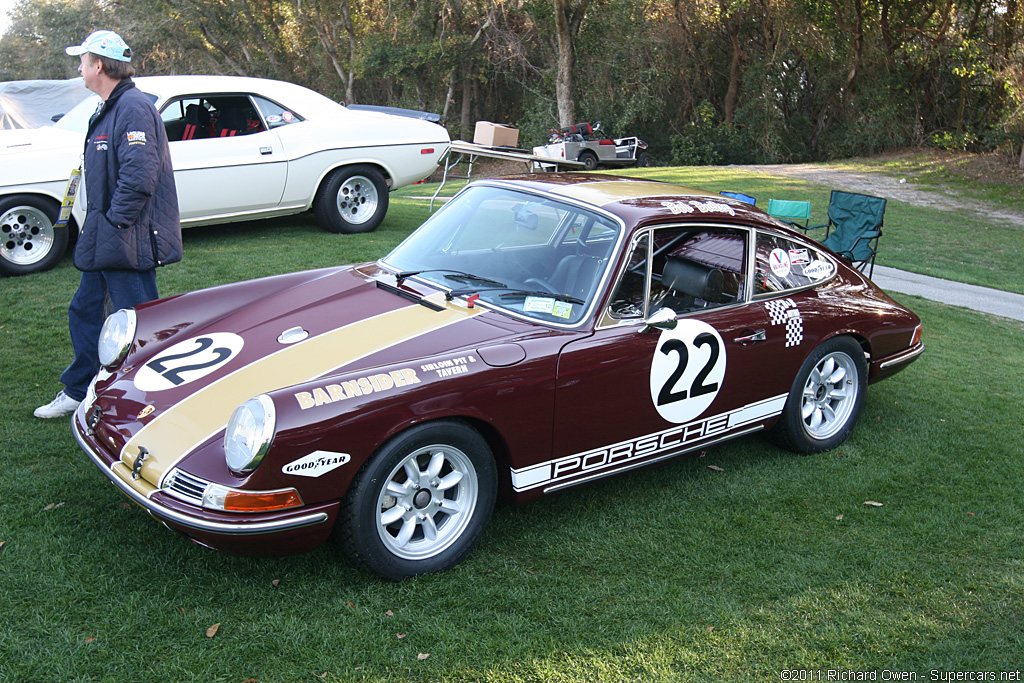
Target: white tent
x,y
33,104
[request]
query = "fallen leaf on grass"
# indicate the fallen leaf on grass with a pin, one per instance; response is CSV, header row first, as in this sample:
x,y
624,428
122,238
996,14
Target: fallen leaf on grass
x,y
275,583
90,639
323,675
970,513
839,518
423,655
212,631
400,635
389,613
716,468
51,506
351,605
873,503
2,544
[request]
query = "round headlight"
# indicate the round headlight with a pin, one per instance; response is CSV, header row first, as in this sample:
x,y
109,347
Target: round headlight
x,y
249,433
116,337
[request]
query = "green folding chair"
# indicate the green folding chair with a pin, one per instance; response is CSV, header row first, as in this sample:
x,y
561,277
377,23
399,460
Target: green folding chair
x,y
854,227
791,212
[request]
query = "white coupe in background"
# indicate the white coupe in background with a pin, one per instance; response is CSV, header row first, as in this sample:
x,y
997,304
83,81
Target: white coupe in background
x,y
242,148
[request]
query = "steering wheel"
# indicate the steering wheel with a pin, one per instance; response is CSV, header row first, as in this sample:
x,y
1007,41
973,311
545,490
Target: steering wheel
x,y
537,283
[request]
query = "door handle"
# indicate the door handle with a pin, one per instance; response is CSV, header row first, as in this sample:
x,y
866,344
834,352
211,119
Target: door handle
x,y
755,337
266,150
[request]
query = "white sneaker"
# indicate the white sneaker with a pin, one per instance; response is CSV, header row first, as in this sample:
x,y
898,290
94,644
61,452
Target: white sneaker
x,y
61,405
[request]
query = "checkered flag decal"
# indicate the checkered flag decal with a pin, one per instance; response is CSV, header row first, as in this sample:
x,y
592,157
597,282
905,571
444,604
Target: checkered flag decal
x,y
784,311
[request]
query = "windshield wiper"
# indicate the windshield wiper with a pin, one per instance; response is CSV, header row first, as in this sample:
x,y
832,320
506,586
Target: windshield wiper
x,y
512,291
450,274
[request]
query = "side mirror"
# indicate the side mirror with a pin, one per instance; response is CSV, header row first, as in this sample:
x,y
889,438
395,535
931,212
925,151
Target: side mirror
x,y
661,319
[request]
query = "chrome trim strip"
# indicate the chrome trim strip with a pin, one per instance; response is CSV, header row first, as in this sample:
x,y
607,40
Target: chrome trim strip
x,y
644,463
167,515
902,358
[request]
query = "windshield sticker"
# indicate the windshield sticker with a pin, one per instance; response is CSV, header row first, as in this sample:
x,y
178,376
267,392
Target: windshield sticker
x,y
779,262
785,312
370,384
817,270
535,304
562,309
188,361
687,370
316,464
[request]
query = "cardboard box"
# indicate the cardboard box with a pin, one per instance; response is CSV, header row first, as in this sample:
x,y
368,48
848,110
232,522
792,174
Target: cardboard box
x,y
495,135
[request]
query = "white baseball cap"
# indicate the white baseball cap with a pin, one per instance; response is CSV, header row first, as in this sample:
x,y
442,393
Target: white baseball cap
x,y
104,44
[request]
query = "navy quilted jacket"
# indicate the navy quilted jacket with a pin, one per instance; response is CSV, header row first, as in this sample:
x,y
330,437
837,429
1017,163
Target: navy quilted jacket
x,y
131,220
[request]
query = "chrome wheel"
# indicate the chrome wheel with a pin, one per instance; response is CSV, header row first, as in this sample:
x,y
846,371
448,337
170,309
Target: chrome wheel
x,y
427,502
26,235
830,395
357,200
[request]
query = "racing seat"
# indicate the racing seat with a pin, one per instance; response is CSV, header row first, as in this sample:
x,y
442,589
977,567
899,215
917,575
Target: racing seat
x,y
231,122
690,285
575,275
197,123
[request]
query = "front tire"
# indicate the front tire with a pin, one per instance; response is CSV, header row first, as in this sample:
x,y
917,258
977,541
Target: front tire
x,y
826,398
421,503
29,241
352,199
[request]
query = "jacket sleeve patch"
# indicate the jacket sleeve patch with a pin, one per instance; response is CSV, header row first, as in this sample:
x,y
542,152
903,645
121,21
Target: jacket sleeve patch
x,y
136,137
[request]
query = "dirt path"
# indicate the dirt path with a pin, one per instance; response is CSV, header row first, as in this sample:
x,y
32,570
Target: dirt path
x,y
882,185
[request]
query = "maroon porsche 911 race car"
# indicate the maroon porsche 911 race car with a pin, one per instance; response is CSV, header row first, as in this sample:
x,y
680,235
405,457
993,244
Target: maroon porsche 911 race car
x,y
535,334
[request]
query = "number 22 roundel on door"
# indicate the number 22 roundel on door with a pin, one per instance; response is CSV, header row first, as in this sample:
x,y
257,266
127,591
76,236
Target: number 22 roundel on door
x,y
687,370
188,361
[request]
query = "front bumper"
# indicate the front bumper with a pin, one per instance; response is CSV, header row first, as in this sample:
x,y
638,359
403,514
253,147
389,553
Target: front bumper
x,y
279,533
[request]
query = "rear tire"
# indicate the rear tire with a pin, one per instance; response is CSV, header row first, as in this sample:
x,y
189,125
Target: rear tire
x,y
826,398
29,242
352,199
589,160
421,503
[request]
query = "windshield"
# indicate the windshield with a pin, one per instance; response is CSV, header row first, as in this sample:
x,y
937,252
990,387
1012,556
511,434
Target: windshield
x,y
78,118
532,256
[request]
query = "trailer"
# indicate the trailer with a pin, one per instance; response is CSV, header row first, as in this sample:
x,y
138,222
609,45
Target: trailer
x,y
585,143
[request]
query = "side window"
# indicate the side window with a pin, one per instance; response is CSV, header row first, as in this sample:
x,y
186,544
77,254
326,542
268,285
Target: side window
x,y
274,114
631,291
783,264
692,269
198,118
186,119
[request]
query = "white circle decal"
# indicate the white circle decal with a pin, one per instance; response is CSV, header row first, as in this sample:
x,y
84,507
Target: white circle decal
x,y
687,370
779,261
188,361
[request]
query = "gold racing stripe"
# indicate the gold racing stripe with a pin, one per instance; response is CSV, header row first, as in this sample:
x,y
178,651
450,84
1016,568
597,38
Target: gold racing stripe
x,y
175,432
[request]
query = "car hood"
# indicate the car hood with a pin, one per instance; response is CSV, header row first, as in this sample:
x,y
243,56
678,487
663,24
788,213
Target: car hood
x,y
29,155
199,355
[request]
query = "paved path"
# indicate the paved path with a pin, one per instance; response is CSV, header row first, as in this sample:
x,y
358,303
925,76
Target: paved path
x,y
985,299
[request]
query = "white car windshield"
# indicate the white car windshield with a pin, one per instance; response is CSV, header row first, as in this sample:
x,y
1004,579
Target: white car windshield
x,y
532,256
78,118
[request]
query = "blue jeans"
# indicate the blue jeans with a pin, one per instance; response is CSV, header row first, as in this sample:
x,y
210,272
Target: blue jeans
x,y
124,288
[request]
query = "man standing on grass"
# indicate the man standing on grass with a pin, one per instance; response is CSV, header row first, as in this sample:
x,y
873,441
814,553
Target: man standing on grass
x,y
131,223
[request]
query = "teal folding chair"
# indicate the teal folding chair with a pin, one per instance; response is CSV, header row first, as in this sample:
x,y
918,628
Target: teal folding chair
x,y
740,196
854,227
791,212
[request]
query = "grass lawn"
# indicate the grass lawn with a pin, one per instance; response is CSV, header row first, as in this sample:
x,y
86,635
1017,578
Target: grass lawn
x,y
674,573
